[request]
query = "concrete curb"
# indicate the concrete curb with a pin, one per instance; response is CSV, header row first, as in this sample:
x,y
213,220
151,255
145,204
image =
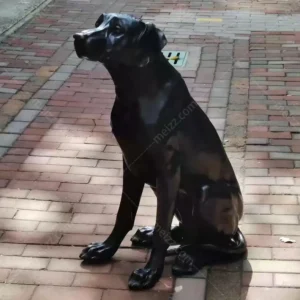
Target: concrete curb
x,y
6,137
23,20
191,287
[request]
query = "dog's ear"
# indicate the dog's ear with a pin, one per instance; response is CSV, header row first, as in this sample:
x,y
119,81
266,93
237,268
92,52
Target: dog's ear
x,y
152,38
100,20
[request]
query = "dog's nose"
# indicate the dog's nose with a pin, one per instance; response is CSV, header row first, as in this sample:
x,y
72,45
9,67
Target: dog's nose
x,y
78,36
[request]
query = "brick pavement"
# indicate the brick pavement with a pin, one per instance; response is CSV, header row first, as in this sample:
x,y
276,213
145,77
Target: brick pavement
x,y
60,178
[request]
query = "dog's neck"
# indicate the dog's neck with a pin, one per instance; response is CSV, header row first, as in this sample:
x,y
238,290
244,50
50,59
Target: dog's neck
x,y
133,82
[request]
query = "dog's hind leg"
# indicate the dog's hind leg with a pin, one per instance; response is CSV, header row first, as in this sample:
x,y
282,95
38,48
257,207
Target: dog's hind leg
x,y
222,249
218,239
144,236
130,199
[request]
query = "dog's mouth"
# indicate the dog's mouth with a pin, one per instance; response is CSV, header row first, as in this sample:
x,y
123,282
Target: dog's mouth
x,y
80,49
79,45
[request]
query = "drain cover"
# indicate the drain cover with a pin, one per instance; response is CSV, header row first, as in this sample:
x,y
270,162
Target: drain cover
x,y
176,58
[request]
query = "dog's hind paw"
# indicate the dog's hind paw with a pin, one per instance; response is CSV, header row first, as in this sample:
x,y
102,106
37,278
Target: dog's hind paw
x,y
143,237
142,279
98,252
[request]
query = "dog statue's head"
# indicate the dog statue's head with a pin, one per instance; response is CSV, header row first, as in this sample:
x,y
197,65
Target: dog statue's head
x,y
120,39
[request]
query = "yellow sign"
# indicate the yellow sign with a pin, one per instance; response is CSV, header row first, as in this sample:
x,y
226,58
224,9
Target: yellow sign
x,y
173,58
209,19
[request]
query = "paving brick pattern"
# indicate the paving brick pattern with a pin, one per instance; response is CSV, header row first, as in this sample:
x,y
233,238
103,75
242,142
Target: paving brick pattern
x,y
60,174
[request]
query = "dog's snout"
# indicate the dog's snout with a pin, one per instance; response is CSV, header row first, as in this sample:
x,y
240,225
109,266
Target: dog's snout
x,y
89,43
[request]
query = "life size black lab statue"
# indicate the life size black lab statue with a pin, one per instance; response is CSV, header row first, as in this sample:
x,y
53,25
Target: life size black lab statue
x,y
169,143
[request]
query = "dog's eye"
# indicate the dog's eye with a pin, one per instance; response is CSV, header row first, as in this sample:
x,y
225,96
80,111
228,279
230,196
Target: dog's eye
x,y
118,28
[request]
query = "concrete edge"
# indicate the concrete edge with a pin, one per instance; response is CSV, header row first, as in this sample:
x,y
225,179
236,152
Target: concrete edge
x,y
23,20
191,287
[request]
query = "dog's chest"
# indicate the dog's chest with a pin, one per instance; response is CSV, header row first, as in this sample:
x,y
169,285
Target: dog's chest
x,y
134,139
125,121
150,108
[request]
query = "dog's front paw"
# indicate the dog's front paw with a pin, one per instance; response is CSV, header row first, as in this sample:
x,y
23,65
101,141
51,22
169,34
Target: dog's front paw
x,y
98,252
142,279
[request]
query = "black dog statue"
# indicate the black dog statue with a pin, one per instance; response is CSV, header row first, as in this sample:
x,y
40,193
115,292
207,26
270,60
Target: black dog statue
x,y
169,143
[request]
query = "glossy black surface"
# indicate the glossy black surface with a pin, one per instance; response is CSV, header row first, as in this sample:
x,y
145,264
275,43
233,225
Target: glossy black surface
x,y
167,142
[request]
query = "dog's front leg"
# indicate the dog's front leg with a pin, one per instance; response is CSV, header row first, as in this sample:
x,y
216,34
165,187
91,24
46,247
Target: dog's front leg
x,y
167,190
130,199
